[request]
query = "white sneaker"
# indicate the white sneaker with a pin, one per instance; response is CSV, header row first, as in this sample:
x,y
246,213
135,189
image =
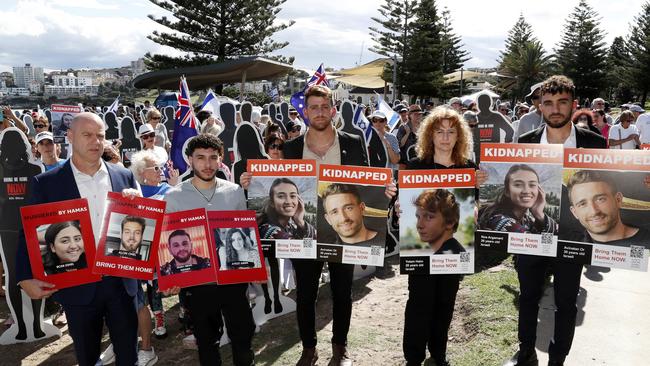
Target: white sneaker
x,y
189,342
108,356
147,358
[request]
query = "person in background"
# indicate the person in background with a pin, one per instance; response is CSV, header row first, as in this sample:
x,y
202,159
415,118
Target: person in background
x,y
625,134
583,118
209,123
273,145
153,118
380,124
599,103
598,116
147,135
47,149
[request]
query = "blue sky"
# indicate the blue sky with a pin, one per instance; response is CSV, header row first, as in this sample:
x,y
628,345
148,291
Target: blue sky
x,y
59,34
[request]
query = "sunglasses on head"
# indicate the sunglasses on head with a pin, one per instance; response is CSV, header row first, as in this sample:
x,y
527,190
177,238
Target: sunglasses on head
x,y
275,146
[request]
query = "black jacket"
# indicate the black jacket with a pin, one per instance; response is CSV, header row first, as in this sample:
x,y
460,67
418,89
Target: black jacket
x,y
584,138
353,151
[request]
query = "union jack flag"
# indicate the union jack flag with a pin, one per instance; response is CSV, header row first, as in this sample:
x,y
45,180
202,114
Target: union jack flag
x,y
185,112
298,99
319,78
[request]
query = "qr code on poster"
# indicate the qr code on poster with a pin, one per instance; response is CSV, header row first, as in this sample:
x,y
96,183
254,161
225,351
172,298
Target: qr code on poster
x,y
308,243
547,238
464,257
636,251
375,250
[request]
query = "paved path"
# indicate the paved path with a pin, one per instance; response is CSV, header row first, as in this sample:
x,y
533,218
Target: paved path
x,y
613,325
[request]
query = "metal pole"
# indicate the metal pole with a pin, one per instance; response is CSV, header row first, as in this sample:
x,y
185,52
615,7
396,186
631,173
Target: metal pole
x,y
461,82
241,87
394,77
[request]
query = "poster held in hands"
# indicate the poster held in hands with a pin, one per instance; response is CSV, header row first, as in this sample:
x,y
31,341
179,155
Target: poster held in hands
x,y
62,116
605,208
185,256
451,192
60,242
283,193
236,240
352,211
130,236
519,204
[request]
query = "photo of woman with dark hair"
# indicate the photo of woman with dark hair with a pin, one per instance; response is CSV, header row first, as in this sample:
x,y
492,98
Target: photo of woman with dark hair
x,y
283,216
239,250
65,248
519,205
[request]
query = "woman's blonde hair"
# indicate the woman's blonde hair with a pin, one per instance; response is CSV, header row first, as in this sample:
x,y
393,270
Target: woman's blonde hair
x,y
152,112
462,149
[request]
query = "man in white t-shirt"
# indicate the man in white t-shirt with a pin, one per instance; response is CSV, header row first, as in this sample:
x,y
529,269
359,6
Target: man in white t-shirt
x,y
624,135
643,126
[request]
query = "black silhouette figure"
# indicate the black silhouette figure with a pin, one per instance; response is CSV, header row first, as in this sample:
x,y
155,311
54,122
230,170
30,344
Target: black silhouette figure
x,y
246,110
228,111
247,145
347,117
112,131
15,173
284,112
27,119
274,119
493,126
130,142
168,114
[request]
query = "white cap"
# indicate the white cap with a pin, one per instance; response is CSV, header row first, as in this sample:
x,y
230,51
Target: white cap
x,y
378,114
45,135
636,108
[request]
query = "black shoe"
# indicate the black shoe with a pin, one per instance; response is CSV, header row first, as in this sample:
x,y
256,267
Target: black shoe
x,y
523,357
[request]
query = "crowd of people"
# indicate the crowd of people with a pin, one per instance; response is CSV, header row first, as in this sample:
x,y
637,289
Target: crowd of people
x,y
425,137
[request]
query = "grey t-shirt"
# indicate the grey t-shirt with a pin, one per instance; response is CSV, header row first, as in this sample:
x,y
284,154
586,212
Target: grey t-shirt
x,y
227,196
528,122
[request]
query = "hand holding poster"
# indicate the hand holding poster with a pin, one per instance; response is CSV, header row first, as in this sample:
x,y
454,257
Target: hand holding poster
x,y
130,235
519,210
606,208
352,212
185,255
283,193
62,116
437,221
60,242
238,247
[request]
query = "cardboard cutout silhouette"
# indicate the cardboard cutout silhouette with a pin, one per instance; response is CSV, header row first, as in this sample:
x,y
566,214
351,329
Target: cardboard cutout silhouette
x,y
284,112
247,145
48,114
112,129
168,115
17,167
228,111
493,126
246,110
377,154
273,116
267,308
27,119
130,142
347,116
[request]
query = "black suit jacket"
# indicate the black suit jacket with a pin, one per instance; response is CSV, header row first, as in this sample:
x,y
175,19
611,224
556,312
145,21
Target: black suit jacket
x,y
584,138
353,150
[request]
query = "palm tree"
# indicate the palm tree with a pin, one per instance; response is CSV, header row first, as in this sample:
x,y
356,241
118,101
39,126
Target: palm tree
x,y
528,65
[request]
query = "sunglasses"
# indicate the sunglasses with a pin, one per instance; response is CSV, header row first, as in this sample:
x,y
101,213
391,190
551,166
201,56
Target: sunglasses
x,y
275,146
148,136
39,126
155,117
295,129
293,113
379,121
156,168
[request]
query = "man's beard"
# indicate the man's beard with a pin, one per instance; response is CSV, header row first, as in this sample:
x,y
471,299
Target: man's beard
x,y
558,124
203,177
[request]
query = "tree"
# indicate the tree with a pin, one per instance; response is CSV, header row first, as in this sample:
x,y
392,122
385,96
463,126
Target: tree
x,y
215,31
453,54
527,65
639,49
392,37
520,34
618,66
422,64
581,53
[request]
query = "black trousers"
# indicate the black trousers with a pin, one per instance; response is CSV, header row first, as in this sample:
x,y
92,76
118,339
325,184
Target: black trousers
x,y
207,304
531,271
112,305
428,314
308,273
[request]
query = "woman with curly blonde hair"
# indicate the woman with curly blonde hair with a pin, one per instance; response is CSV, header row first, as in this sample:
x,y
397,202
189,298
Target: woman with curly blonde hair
x,y
444,142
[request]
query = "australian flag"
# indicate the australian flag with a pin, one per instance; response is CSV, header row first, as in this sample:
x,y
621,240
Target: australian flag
x,y
298,99
185,126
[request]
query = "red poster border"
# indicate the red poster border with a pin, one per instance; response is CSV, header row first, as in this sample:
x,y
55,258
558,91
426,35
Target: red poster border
x,y
118,204
191,278
65,279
